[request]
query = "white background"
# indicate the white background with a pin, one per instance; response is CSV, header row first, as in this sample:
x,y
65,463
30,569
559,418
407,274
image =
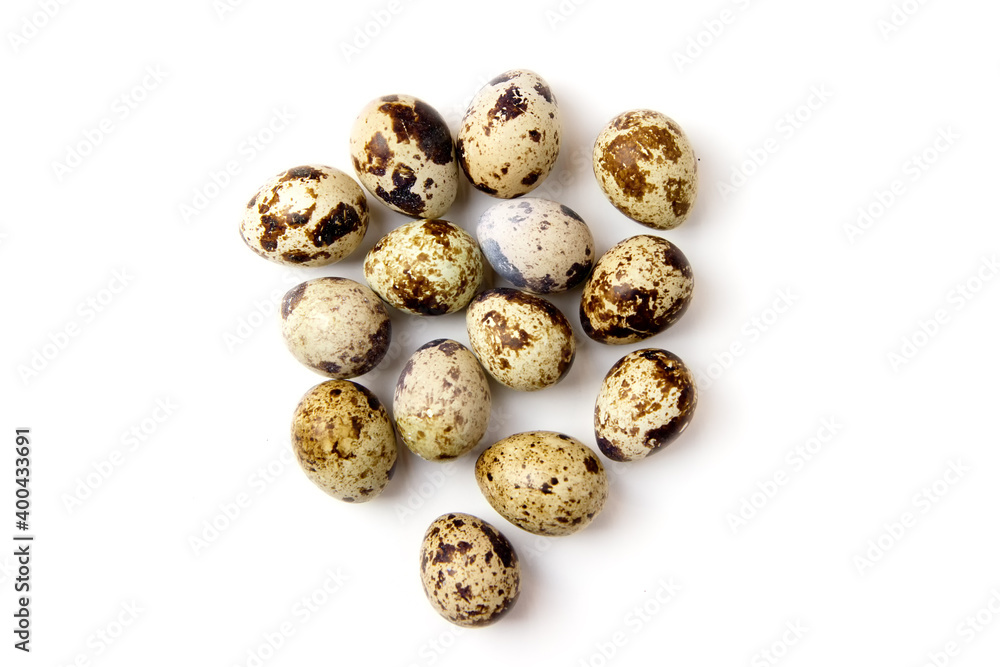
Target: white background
x,y
185,328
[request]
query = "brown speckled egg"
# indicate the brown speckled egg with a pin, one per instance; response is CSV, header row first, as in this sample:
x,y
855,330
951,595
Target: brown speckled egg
x,y
469,570
646,400
509,137
442,401
403,154
522,340
335,326
306,216
546,483
343,439
638,288
647,168
425,267
538,245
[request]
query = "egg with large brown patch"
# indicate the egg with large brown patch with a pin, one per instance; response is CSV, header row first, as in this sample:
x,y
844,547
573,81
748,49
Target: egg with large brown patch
x,y
637,289
343,440
509,137
469,570
543,482
646,401
403,154
425,267
335,326
522,340
311,215
442,401
646,167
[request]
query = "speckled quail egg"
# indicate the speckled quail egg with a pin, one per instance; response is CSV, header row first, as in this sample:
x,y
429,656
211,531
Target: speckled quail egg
x,y
442,401
469,570
335,326
522,340
646,400
425,267
509,137
343,439
546,483
306,216
646,166
538,245
403,154
638,288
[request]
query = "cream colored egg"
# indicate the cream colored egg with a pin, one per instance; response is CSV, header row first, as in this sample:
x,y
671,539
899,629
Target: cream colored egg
x,y
509,138
335,326
469,570
425,267
343,440
638,288
646,166
546,483
403,154
646,400
522,340
442,401
307,216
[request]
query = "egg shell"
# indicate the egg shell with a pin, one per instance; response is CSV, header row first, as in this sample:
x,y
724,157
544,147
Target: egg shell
x,y
543,482
522,340
343,440
425,267
509,138
646,167
335,326
403,154
638,288
646,401
469,570
442,401
538,245
311,215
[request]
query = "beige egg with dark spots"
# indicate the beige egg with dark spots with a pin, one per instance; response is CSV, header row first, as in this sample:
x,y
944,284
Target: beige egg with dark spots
x,y
343,440
544,482
442,401
469,570
403,154
522,340
426,267
538,245
307,216
646,401
646,166
509,138
637,289
335,326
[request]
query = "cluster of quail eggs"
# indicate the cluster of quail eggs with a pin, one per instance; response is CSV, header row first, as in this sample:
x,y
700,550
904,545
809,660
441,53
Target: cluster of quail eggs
x,y
543,482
